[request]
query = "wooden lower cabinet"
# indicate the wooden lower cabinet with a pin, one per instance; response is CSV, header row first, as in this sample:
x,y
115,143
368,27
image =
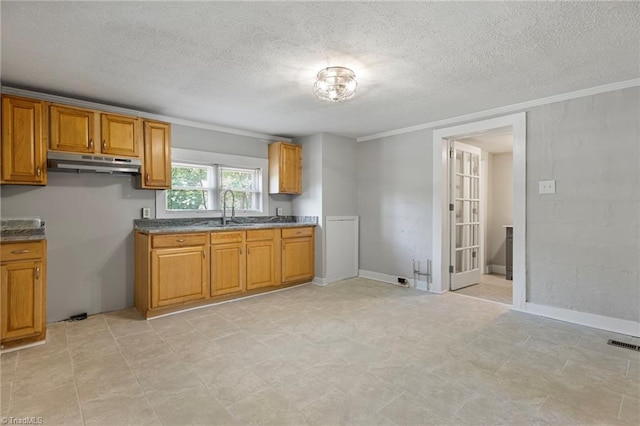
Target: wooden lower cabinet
x,y
227,268
23,293
262,264
179,271
178,275
298,258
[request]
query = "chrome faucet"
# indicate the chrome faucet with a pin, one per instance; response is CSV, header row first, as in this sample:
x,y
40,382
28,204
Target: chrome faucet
x,y
224,206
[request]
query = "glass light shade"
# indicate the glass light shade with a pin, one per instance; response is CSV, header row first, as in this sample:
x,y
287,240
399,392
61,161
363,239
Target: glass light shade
x,y
335,84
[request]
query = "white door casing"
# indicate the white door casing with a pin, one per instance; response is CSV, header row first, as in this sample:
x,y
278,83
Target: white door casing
x,y
465,217
440,190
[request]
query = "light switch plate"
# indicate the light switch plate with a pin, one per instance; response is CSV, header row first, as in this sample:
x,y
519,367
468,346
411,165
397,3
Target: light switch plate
x,y
146,212
278,211
547,187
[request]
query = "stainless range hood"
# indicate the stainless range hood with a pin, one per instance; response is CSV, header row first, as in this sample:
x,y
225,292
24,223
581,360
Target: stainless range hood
x,y
65,162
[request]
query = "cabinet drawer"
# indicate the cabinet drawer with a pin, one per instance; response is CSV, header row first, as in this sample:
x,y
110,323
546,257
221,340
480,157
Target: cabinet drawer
x,y
178,240
297,232
260,234
22,251
227,237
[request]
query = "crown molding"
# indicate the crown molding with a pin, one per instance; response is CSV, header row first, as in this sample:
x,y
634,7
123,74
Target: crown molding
x,y
506,109
8,90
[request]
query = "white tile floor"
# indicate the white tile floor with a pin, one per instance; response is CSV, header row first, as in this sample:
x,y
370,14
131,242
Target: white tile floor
x,y
491,287
355,352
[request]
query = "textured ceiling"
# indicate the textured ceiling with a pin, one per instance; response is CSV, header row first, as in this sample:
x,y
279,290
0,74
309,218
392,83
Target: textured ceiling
x,y
252,65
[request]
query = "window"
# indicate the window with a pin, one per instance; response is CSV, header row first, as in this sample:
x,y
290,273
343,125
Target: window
x,y
198,189
192,187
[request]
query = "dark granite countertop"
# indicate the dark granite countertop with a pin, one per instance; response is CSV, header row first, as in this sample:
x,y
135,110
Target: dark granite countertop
x,y
168,226
13,230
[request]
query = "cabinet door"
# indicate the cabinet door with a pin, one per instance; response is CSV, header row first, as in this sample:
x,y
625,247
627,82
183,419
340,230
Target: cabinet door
x,y
156,167
227,268
120,135
72,129
297,259
290,169
22,299
178,275
23,142
261,271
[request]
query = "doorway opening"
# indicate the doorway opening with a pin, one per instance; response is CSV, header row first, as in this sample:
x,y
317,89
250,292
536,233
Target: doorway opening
x,y
481,194
444,269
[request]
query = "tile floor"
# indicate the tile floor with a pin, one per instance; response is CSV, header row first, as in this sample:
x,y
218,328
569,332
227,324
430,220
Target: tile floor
x,y
356,352
491,287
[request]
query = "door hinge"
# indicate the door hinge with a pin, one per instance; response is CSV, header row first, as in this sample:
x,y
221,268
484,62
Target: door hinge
x,y
450,207
451,269
450,152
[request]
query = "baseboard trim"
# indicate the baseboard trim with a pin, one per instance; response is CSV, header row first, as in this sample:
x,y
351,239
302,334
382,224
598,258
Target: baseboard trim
x,y
616,325
391,279
498,269
319,281
17,348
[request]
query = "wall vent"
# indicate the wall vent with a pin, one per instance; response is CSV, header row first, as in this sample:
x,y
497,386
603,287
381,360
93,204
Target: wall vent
x,y
623,345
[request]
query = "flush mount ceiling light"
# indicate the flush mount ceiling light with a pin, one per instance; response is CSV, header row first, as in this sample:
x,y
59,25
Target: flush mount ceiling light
x,y
335,84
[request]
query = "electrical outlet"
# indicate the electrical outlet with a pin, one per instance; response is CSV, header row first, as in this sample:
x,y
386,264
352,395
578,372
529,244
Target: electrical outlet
x,y
146,212
278,211
547,187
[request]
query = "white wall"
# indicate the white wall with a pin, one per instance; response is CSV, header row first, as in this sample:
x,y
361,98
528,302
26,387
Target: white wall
x,y
339,175
394,202
309,203
499,205
583,243
89,226
329,184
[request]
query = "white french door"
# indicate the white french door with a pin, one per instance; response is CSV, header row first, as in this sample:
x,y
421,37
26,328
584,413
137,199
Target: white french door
x,y
465,215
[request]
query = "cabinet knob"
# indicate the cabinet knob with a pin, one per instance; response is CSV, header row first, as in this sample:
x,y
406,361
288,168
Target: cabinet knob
x,y
181,241
91,144
37,273
20,251
104,145
147,178
38,171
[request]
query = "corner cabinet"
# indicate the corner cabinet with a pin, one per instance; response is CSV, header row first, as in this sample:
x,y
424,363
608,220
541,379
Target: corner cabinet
x,y
23,294
156,164
24,142
285,168
179,271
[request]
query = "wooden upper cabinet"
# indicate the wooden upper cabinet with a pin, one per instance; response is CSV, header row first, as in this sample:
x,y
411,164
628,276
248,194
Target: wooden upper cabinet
x,y
73,129
120,135
87,131
285,168
156,164
24,159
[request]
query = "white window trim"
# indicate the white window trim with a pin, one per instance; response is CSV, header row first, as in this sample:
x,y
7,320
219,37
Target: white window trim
x,y
206,158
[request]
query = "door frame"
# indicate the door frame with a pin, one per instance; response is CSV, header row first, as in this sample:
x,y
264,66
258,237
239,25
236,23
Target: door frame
x,y
440,237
